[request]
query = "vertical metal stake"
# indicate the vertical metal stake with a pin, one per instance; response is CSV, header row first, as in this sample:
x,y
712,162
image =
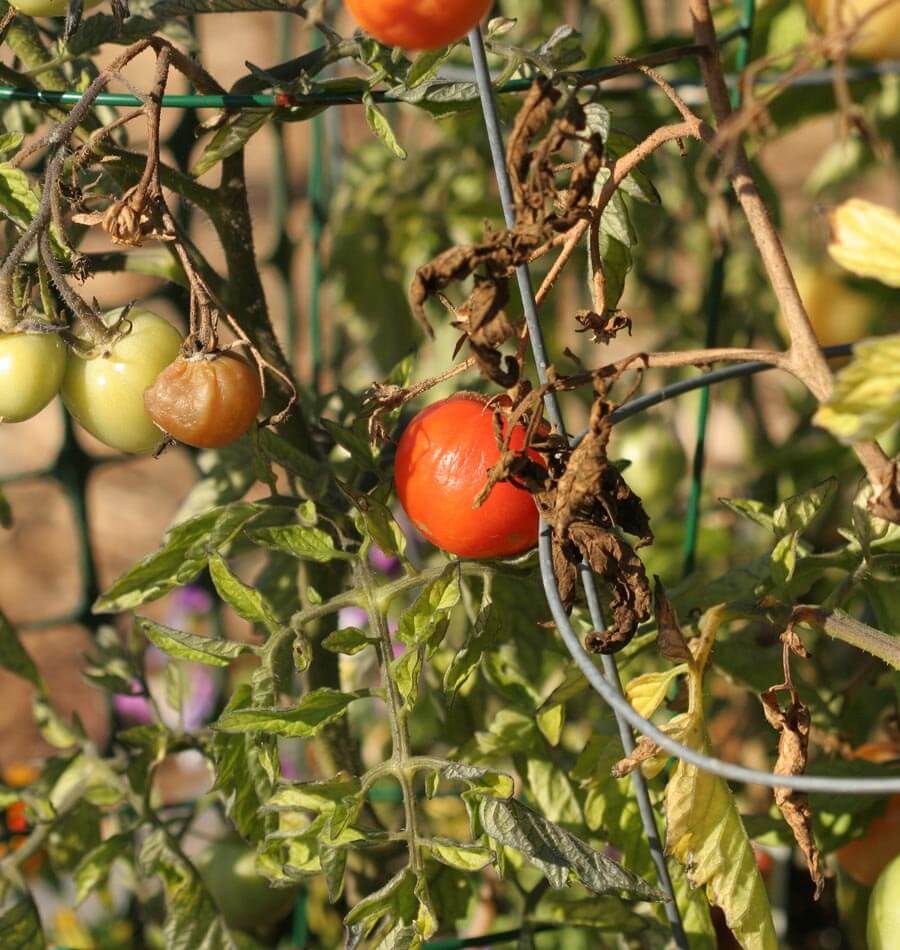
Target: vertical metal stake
x,y
536,337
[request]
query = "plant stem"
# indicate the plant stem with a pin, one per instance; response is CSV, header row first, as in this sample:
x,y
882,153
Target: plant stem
x,y
397,714
387,592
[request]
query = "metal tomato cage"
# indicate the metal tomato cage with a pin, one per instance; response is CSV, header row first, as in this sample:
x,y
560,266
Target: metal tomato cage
x,y
73,467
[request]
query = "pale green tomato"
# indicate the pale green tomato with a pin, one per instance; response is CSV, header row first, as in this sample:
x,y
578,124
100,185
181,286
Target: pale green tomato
x,y
245,898
47,7
31,371
658,462
106,394
883,928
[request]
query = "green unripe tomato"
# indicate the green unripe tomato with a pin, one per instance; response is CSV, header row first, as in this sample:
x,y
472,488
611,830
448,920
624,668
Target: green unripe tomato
x,y
658,462
32,366
245,899
106,394
884,909
47,7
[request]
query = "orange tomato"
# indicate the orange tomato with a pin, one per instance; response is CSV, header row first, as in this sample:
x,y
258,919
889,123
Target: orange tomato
x,y
418,24
442,463
206,401
865,858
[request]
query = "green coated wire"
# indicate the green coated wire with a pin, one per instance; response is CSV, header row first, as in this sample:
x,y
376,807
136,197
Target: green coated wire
x,y
319,214
713,309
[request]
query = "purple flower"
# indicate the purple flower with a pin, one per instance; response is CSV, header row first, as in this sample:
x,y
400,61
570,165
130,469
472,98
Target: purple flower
x,y
383,563
352,617
133,708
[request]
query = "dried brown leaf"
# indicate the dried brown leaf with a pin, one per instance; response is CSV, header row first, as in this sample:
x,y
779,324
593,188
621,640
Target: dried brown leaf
x,y
669,637
792,725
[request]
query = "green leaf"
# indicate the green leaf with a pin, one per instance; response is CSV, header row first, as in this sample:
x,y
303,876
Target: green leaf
x,y
866,398
552,791
190,646
352,442
246,601
784,563
184,554
320,797
20,927
379,124
239,777
93,869
10,142
758,512
406,672
192,921
231,137
308,544
307,718
797,513
334,864
312,474
428,615
465,857
349,640
395,900
556,852
484,636
15,658
19,198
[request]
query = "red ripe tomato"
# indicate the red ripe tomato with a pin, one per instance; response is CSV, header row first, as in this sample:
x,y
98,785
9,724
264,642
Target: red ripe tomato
x,y
865,858
418,24
206,401
442,464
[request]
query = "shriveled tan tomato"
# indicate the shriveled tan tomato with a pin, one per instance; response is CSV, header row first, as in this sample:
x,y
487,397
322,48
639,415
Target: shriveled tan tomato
x,y
207,400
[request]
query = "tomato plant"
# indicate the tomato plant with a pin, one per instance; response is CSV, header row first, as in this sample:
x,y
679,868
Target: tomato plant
x,y
398,742
105,393
206,401
32,366
418,24
442,463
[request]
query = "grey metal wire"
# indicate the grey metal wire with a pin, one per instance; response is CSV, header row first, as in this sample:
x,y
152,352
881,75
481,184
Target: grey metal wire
x,y
636,406
529,304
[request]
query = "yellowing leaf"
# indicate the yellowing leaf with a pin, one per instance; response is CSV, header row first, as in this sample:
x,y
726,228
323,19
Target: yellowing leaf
x,y
647,692
865,238
866,398
704,831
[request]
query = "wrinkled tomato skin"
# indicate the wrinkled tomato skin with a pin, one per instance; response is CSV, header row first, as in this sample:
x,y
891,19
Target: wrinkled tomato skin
x,y
205,401
443,458
418,24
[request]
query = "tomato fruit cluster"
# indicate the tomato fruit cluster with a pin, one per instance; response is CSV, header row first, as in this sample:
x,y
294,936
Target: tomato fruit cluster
x,y
136,391
443,458
418,24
